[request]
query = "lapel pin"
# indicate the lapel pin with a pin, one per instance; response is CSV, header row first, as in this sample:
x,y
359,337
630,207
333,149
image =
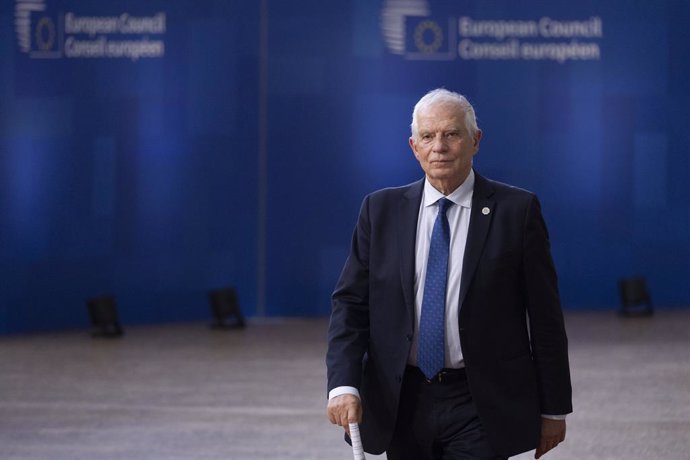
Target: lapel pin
x,y
486,211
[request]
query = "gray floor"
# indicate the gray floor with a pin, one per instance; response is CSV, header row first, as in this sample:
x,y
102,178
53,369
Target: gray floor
x,y
186,392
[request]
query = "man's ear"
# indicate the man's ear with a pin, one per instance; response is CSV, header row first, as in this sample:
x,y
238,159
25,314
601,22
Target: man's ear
x,y
477,138
413,147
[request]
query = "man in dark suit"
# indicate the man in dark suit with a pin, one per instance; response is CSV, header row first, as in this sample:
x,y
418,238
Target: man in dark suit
x,y
446,338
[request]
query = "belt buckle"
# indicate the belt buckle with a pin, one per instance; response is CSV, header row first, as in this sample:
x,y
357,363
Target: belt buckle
x,y
436,378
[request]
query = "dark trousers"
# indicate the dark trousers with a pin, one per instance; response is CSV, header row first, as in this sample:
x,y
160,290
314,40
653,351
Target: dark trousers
x,y
437,420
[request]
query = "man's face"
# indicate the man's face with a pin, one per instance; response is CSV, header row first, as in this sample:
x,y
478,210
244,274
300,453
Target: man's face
x,y
443,146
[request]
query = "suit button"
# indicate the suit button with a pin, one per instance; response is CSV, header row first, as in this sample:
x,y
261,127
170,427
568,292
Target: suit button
x,y
409,337
398,378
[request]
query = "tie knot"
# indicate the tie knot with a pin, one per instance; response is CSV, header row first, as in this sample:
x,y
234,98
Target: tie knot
x,y
443,205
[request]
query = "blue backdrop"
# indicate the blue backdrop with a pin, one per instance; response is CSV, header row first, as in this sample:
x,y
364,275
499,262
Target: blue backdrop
x,y
157,149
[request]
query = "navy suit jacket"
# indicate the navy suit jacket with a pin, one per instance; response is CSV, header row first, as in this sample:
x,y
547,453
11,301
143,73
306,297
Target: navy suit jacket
x,y
510,321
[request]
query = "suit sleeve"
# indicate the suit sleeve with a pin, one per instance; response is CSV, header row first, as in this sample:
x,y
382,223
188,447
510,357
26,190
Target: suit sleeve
x,y
547,329
348,332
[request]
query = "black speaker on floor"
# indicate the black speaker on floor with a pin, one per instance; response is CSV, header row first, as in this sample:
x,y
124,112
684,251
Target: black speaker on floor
x,y
225,309
104,317
635,298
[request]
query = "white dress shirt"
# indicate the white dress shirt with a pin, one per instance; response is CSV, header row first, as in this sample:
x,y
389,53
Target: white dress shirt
x,y
459,222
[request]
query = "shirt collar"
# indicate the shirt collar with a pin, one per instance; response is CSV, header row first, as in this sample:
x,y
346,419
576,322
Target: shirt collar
x,y
461,196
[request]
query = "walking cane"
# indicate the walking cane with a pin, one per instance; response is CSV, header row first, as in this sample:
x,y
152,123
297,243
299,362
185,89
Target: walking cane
x,y
357,449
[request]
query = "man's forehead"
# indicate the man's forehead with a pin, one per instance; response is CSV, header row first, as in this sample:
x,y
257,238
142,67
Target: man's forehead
x,y
441,118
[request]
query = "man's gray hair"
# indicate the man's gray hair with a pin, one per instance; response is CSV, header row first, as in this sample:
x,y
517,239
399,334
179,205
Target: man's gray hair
x,y
442,96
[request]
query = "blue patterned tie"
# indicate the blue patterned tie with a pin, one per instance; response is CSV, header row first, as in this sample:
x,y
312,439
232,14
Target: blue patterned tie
x,y
431,353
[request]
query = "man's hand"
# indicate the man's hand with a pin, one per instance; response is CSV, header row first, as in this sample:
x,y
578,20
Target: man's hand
x,y
343,410
552,433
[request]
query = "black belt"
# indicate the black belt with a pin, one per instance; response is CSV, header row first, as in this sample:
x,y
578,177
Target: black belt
x,y
444,376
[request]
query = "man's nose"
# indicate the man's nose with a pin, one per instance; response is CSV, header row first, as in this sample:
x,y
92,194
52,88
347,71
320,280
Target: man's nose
x,y
439,144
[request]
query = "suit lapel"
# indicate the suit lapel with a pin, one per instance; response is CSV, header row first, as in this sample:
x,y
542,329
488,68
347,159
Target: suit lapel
x,y
480,220
408,215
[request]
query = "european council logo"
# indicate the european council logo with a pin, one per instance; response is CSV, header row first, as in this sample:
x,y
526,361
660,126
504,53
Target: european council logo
x,y
38,34
430,39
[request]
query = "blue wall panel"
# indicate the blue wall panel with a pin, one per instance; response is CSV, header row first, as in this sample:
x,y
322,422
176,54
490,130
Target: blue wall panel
x,y
141,177
130,177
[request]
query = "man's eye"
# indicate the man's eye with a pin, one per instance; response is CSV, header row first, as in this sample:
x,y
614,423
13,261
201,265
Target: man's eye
x,y
452,135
